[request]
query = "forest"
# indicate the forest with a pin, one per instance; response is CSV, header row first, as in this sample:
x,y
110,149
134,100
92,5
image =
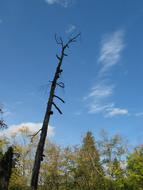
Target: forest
x,y
95,164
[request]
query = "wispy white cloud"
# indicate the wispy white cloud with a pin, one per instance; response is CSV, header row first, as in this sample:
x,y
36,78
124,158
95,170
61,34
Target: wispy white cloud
x,y
1,21
98,107
64,3
111,48
111,112
108,110
99,101
71,28
100,97
101,91
32,127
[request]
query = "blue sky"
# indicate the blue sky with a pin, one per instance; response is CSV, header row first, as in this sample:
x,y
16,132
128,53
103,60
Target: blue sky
x,y
102,74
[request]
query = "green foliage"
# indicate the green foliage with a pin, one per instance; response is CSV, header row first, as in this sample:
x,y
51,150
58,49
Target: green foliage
x,y
135,169
113,151
94,165
89,170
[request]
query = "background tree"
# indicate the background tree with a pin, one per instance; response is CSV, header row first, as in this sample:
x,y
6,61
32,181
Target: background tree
x,y
6,163
89,173
135,169
49,178
113,151
69,164
24,152
73,168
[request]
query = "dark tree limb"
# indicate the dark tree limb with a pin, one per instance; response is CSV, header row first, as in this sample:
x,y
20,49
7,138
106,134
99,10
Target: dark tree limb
x,y
65,55
58,57
35,134
57,108
61,84
59,98
59,40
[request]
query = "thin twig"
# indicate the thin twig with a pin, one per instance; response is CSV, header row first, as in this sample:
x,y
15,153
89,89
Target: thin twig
x,y
61,84
35,134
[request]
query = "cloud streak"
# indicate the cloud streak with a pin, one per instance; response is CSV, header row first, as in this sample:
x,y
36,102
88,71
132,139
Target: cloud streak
x,y
71,28
64,3
111,49
101,91
113,111
100,95
99,101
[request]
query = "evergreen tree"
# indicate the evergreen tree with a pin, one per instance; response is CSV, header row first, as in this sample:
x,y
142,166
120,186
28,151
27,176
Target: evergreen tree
x,y
89,171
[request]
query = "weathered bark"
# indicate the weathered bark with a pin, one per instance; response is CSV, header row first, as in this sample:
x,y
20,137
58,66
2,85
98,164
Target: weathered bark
x,y
6,169
40,147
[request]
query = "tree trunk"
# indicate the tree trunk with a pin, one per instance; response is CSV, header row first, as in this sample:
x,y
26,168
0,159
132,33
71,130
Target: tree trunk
x,y
6,169
40,148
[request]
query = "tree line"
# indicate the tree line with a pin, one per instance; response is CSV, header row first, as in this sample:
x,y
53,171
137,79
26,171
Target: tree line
x,y
103,164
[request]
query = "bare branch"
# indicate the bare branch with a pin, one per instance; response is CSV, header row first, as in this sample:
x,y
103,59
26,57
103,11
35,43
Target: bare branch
x,y
35,134
65,55
61,84
57,108
58,57
72,40
59,98
59,41
2,124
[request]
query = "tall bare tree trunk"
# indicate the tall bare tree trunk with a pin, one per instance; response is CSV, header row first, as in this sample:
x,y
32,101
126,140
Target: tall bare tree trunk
x,y
40,148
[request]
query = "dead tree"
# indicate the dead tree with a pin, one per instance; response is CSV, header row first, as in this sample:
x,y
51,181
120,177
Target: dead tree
x,y
54,83
6,163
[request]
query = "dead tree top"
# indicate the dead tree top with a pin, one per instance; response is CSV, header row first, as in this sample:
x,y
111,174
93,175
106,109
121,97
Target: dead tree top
x,y
63,45
60,41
